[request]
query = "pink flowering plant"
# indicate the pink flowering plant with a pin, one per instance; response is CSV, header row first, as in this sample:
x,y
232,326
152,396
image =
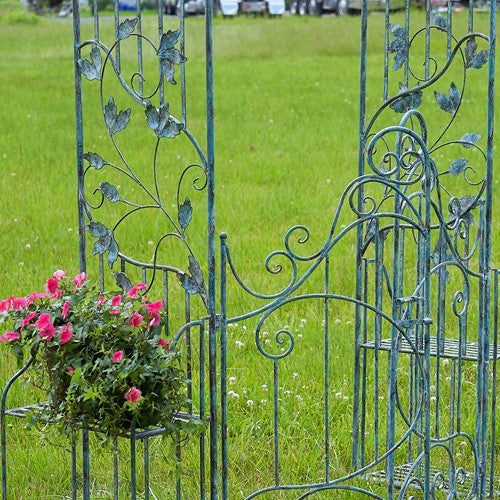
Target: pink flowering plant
x,y
103,358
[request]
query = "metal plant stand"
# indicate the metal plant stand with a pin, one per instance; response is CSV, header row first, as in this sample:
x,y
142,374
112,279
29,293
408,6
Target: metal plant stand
x,y
423,311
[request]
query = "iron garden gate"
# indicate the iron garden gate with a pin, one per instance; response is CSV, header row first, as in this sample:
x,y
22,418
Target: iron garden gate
x,y
418,406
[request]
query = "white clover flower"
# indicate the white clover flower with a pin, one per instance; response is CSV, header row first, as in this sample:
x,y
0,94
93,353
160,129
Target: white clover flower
x,y
235,395
433,399
239,344
267,342
303,321
249,402
348,322
337,321
28,246
298,397
446,361
288,392
295,375
338,395
263,401
232,380
300,335
264,387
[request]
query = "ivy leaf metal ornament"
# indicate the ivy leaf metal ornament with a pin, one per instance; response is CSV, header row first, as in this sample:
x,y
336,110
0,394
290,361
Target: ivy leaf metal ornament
x,y
473,58
115,122
458,166
169,55
110,192
185,213
160,120
95,160
469,139
410,101
398,46
126,28
91,69
440,21
462,208
123,282
106,241
194,284
449,102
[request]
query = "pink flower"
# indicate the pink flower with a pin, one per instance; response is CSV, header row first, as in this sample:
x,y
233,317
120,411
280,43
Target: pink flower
x,y
26,321
135,320
43,320
164,343
48,332
19,303
59,275
79,279
65,309
71,369
116,300
4,305
117,356
56,295
51,285
154,308
133,292
133,394
155,321
10,336
66,333
101,300
114,311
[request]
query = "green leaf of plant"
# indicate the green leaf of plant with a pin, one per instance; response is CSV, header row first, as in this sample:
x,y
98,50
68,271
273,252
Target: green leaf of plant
x,y
458,166
95,160
126,28
110,192
470,138
169,55
115,122
185,212
449,102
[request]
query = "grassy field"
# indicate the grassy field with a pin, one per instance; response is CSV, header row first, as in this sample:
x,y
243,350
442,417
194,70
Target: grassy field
x,y
286,145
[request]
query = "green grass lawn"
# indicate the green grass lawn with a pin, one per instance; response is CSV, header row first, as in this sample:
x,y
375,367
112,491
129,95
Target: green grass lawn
x,y
287,104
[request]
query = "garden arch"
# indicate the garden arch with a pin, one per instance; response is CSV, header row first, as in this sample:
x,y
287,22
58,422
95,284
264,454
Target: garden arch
x,y
419,403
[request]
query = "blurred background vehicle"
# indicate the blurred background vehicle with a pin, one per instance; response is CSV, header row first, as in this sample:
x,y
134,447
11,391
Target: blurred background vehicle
x,y
253,6
229,7
338,7
192,7
355,5
276,7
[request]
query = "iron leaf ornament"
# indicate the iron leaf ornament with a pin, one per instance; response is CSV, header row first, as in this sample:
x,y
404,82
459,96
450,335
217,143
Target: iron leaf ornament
x,y
449,102
91,69
398,46
409,101
110,192
95,160
194,283
473,58
440,21
115,122
162,122
126,28
185,213
168,55
106,241
470,139
458,166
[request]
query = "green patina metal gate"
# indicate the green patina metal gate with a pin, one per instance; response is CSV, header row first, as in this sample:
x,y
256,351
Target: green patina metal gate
x,y
419,404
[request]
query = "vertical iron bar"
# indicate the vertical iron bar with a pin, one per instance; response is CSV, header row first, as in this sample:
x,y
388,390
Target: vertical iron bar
x,y
363,367
79,136
116,476
379,262
212,327
74,488
428,8
493,454
326,379
449,33
223,364
166,302
86,464
161,6
140,69
407,42
202,411
359,230
386,50
183,64
117,24
146,468
189,354
276,423
96,18
178,456
133,476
